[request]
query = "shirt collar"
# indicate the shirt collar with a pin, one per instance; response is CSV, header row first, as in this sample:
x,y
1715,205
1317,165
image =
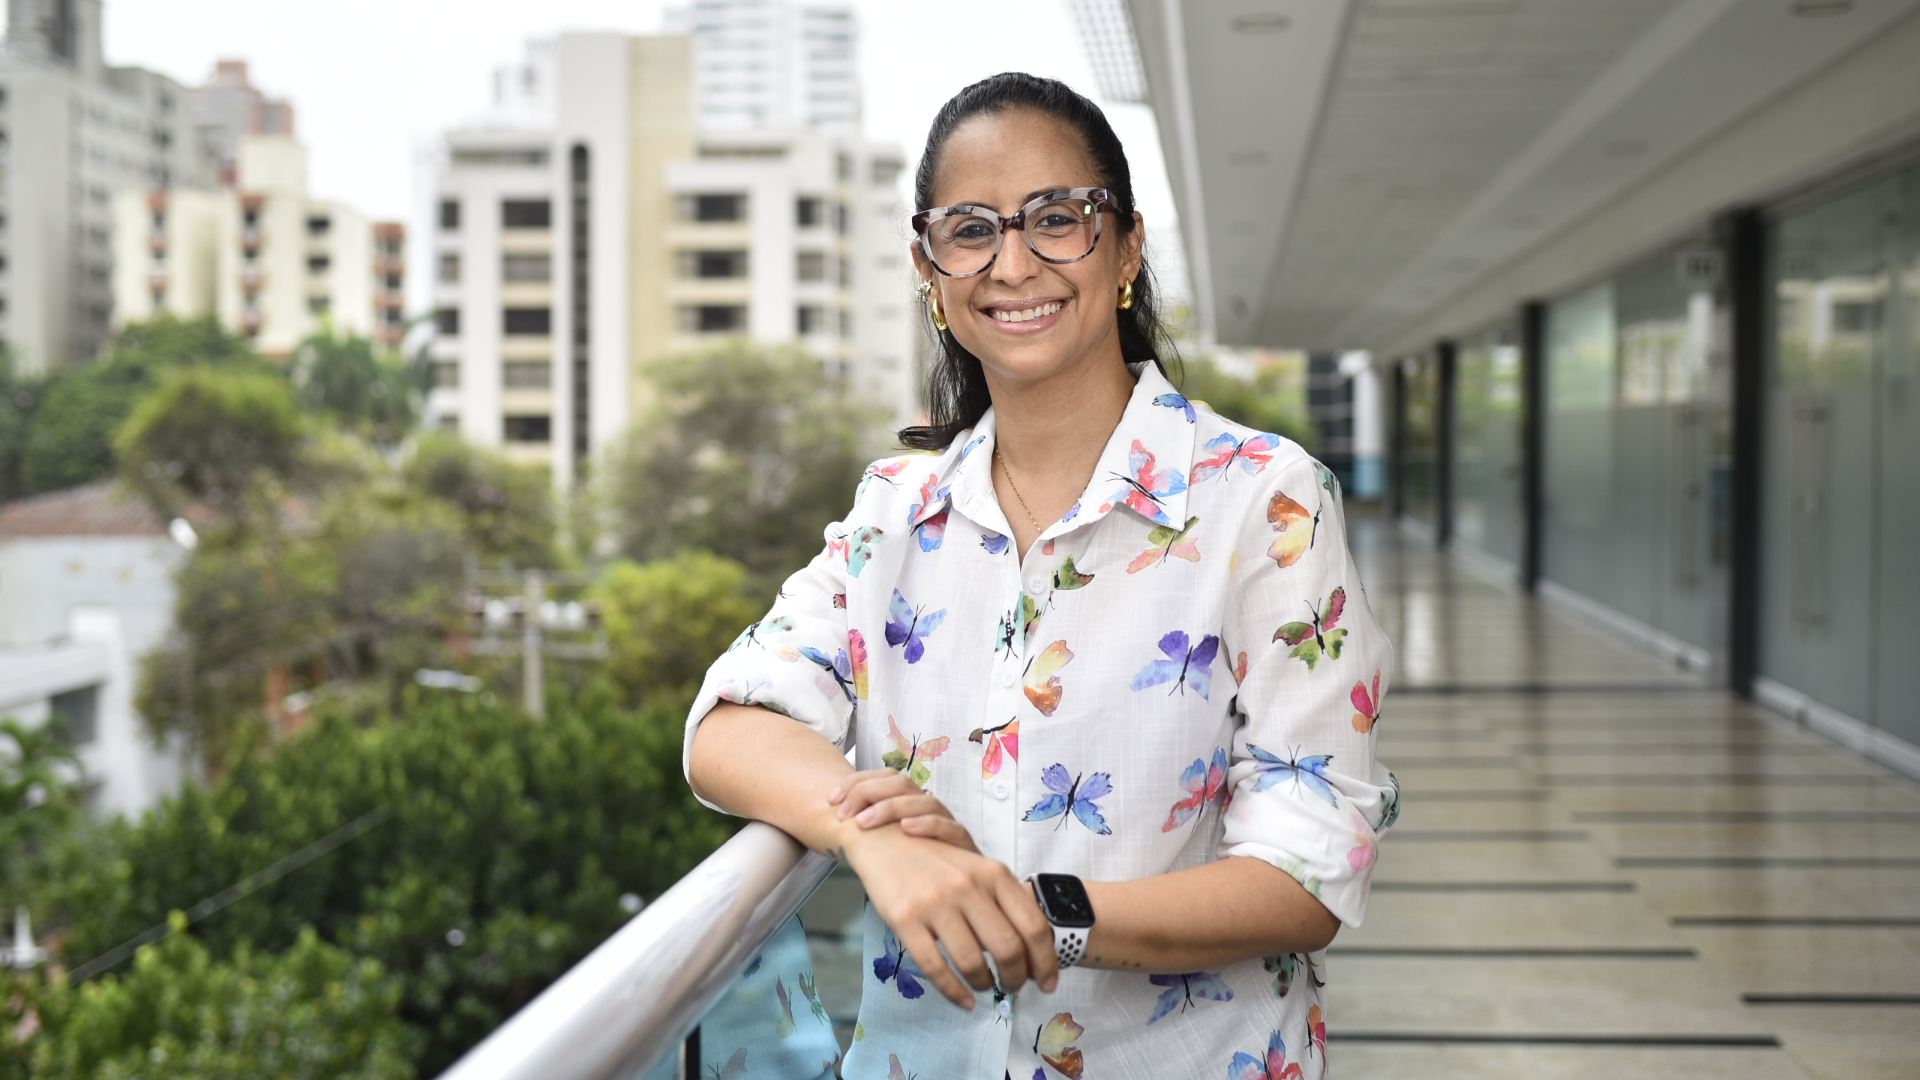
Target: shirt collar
x,y
1142,468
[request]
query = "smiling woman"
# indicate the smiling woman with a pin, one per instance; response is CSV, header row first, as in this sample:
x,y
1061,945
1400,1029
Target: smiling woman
x,y
1113,864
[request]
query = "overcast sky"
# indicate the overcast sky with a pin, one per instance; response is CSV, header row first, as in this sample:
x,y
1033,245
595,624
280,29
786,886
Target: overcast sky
x,y
369,79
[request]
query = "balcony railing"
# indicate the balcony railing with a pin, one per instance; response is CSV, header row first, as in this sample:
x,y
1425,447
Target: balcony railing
x,y
631,1002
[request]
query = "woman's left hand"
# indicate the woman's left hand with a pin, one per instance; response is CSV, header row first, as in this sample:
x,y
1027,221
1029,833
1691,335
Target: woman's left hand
x,y
880,796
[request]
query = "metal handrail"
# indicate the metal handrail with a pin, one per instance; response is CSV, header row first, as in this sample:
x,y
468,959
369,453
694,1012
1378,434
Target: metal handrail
x,y
632,1000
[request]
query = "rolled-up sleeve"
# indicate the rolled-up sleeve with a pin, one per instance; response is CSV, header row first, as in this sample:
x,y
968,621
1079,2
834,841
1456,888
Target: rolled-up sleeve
x,y
797,660
1306,793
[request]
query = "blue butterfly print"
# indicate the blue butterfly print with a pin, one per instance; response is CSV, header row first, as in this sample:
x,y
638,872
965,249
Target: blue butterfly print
x,y
1182,989
838,666
1176,401
994,543
1070,793
1311,771
968,449
779,625
909,626
1072,512
1184,667
894,964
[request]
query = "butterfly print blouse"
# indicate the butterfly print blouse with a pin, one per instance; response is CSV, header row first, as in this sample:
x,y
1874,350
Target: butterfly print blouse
x,y
1184,668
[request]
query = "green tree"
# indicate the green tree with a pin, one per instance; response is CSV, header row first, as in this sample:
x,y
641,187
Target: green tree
x,y
749,453
1274,399
77,410
666,620
520,834
210,438
506,508
346,380
37,803
313,1011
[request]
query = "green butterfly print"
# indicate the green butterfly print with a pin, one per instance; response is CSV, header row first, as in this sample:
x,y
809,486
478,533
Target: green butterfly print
x,y
1028,613
1316,638
1067,579
813,998
1286,967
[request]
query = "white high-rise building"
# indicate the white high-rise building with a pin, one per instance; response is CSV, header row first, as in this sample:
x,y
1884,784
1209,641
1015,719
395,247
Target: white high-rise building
x,y
589,228
73,132
772,64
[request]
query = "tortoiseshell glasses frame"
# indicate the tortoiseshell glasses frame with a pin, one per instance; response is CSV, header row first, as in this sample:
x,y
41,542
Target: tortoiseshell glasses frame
x,y
1062,226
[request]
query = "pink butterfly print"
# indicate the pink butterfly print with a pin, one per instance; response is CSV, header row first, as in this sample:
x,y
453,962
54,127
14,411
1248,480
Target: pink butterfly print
x,y
1148,485
1204,783
928,496
1364,850
1002,742
1366,707
1253,454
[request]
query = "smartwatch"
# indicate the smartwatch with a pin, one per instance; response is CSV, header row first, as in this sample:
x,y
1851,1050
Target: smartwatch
x,y
1063,900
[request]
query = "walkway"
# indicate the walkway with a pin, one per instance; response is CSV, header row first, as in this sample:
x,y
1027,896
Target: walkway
x,y
1605,869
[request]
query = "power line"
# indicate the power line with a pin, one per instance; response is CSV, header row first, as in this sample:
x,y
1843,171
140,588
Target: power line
x,y
238,890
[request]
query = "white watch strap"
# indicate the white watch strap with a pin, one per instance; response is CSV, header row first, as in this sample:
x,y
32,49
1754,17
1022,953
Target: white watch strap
x,y
1069,944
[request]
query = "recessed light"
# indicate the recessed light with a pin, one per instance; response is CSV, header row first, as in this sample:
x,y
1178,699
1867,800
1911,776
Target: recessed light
x,y
1261,24
1820,9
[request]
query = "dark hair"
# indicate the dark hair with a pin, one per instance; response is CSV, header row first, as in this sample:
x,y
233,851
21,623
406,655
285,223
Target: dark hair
x,y
957,393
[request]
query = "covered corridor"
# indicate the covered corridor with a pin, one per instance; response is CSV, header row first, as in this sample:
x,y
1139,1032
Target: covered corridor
x,y
1606,867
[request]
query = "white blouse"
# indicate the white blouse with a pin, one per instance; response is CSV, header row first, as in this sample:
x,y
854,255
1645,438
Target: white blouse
x,y
1183,668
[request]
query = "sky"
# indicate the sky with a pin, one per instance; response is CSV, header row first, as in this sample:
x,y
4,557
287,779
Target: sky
x,y
372,79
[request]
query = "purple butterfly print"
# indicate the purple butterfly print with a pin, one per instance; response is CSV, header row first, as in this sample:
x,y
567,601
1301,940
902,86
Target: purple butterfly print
x,y
1072,793
893,964
1183,667
1182,989
909,626
994,543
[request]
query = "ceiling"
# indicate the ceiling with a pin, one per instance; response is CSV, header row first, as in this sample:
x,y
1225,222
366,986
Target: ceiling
x,y
1342,166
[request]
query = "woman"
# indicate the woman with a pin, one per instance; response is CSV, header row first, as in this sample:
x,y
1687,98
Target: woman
x,y
1102,636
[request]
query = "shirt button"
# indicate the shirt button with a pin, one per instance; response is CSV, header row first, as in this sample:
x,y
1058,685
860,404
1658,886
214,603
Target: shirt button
x,y
1037,586
1000,790
1006,679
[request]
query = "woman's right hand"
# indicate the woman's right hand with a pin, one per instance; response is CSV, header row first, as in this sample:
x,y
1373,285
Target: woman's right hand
x,y
879,797
933,894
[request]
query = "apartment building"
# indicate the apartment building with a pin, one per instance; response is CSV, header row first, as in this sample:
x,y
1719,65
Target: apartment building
x,y
581,234
73,132
267,258
231,108
772,64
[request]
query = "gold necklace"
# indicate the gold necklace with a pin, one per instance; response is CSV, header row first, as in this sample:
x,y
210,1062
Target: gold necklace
x,y
1037,527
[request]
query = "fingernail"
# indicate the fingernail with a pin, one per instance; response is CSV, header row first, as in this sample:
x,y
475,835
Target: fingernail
x,y
866,816
836,795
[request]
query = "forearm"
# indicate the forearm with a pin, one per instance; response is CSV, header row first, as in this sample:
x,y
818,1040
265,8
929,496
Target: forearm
x,y
1203,918
761,765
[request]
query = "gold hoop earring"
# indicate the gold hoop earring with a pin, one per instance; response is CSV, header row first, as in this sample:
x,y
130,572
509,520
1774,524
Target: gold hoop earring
x,y
1126,295
925,290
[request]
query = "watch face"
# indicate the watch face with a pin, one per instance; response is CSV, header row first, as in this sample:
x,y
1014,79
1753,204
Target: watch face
x,y
1065,899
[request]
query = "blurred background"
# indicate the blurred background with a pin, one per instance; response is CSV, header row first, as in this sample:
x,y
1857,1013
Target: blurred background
x,y
401,404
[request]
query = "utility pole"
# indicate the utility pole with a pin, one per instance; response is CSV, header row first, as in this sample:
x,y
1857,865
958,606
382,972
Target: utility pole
x,y
539,621
533,678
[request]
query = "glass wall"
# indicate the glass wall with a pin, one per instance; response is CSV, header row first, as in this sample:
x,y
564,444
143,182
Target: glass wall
x,y
1841,506
1487,508
1637,450
1420,438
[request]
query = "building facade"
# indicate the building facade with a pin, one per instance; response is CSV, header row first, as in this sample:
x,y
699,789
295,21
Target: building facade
x,y
580,235
229,107
772,64
272,262
86,589
73,132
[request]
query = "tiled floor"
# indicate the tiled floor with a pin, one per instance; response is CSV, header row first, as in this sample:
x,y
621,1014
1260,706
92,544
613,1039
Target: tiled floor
x,y
1606,869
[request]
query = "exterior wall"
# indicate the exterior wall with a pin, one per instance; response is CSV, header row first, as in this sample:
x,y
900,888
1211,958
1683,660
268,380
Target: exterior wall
x,y
772,64
79,612
662,132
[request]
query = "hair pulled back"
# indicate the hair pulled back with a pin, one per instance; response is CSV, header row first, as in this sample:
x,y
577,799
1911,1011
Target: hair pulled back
x,y
957,394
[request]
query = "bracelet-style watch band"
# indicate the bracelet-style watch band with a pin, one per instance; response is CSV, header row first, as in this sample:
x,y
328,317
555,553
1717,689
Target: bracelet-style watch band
x,y
1063,900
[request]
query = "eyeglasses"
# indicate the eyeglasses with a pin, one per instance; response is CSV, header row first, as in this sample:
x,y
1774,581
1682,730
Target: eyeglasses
x,y
1060,227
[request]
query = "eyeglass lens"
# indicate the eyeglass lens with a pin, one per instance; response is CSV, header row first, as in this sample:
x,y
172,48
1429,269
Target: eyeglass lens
x,y
1060,230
